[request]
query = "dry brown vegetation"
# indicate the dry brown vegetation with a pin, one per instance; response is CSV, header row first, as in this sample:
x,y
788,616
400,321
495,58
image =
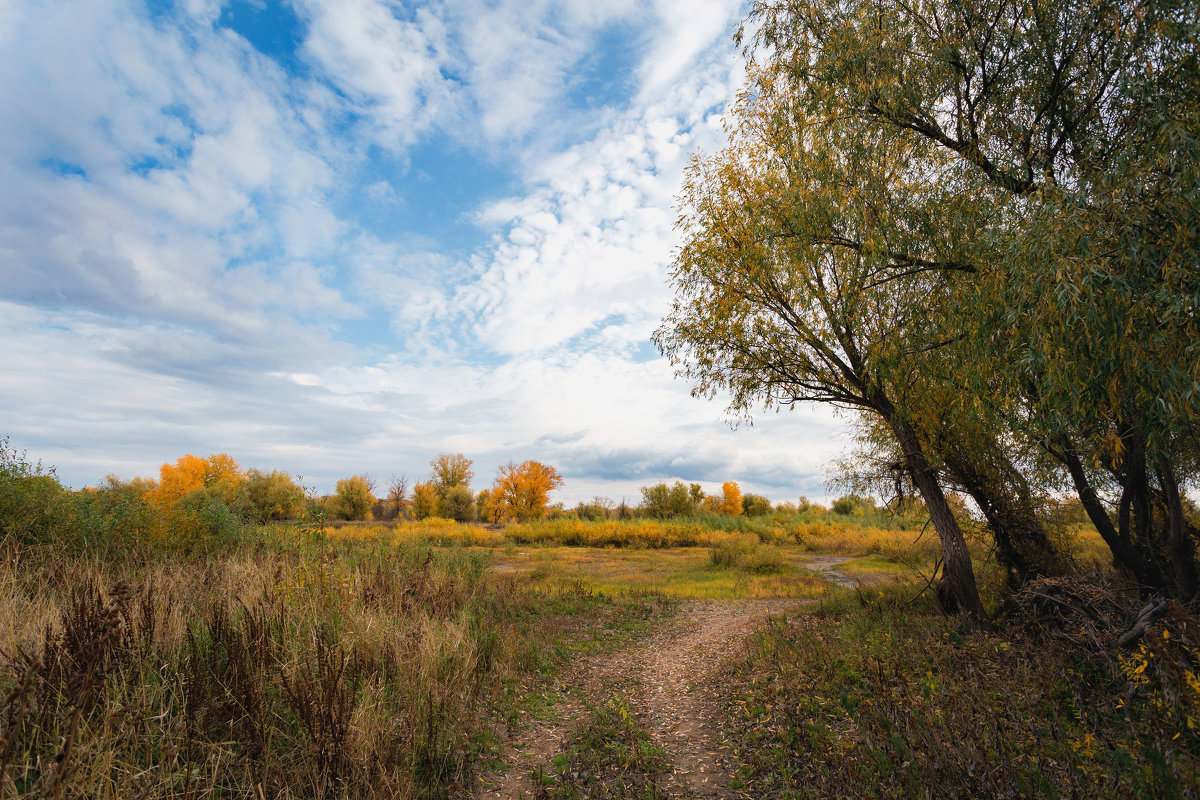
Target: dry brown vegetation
x,y
395,661
286,668
872,697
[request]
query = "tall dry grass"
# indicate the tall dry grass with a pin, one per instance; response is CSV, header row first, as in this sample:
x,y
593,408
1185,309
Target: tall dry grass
x,y
291,668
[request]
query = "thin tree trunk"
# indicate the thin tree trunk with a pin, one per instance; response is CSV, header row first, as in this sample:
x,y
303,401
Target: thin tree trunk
x,y
1183,553
1021,541
958,575
1117,539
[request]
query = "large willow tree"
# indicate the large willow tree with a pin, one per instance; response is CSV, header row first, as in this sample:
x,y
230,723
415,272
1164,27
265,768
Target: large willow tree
x,y
811,259
1000,200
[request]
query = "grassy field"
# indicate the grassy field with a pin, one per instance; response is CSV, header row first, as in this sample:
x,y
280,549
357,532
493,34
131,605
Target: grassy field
x,y
392,660
283,666
887,699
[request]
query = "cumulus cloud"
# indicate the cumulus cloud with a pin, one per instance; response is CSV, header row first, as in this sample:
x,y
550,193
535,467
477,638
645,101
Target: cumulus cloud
x,y
186,266
141,162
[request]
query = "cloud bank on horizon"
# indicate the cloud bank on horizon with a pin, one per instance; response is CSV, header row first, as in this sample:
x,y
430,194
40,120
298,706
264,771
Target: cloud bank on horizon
x,y
344,237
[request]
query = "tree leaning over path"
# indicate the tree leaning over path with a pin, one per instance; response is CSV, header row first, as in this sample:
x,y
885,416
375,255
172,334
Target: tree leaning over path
x,y
776,307
976,222
1073,131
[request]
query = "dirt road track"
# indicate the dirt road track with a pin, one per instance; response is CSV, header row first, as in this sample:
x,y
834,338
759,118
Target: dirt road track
x,y
667,678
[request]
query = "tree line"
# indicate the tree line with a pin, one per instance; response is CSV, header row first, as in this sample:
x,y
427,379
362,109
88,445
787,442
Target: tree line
x,y
212,498
974,226
520,492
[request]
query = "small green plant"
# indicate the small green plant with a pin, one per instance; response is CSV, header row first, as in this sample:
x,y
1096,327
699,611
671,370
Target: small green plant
x,y
611,757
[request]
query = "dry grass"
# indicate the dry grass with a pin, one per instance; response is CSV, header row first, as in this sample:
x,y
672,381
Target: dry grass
x,y
376,660
818,532
432,531
873,697
286,669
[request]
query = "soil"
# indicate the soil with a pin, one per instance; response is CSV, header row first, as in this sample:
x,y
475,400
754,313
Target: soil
x,y
827,566
668,680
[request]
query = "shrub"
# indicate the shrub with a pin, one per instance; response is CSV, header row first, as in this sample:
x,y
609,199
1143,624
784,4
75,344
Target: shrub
x,y
353,499
846,505
746,554
662,502
459,504
274,495
591,511
117,513
755,505
34,507
731,553
203,519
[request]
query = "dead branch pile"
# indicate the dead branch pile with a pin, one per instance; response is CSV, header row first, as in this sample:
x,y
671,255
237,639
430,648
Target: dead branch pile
x,y
1085,611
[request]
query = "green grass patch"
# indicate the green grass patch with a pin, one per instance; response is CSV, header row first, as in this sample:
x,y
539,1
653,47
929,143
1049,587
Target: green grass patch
x,y
611,756
682,572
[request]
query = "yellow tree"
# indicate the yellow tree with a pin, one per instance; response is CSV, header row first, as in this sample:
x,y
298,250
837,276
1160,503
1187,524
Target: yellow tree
x,y
353,499
222,468
425,501
190,473
731,503
450,470
522,491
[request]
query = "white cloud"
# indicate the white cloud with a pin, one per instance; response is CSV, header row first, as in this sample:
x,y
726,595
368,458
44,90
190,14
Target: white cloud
x,y
610,425
590,243
203,285
201,201
688,32
388,66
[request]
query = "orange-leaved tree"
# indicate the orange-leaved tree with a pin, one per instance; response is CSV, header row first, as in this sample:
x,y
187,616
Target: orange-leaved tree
x,y
488,505
731,505
522,491
190,473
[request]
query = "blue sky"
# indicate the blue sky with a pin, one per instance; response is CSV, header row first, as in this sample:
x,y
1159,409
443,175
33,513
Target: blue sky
x,y
336,238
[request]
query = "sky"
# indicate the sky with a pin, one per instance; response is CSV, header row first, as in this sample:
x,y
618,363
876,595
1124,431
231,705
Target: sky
x,y
344,237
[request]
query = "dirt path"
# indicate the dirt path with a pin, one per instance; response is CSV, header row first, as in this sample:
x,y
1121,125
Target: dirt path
x,y
666,678
827,566
668,681
682,709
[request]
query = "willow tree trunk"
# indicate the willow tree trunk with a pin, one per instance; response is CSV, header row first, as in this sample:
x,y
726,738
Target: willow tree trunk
x,y
958,575
1125,554
1004,498
1179,539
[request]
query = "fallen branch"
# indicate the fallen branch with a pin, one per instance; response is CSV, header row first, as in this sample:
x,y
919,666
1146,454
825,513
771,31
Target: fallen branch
x,y
1151,613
